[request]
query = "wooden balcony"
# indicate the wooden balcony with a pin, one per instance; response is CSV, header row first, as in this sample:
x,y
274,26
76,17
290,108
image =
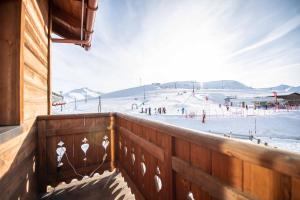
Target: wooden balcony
x,y
160,161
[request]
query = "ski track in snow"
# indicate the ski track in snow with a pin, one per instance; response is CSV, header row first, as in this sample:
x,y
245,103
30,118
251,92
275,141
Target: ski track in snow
x,y
278,128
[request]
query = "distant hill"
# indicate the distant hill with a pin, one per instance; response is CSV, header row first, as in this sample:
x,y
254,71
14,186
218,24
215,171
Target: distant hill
x,y
222,84
81,94
131,91
285,88
281,87
294,89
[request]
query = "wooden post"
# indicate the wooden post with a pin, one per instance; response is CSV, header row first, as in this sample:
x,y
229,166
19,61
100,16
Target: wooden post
x,y
42,168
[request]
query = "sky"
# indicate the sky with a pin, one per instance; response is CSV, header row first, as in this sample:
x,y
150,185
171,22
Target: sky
x,y
256,42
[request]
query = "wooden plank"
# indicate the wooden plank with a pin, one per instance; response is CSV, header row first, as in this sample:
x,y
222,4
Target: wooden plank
x,y
73,131
265,183
42,167
201,158
73,116
208,182
227,169
182,151
279,160
151,148
165,142
295,189
11,63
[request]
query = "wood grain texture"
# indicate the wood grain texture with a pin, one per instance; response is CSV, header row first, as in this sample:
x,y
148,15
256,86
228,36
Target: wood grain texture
x,y
212,167
11,62
151,148
72,132
23,83
281,161
209,183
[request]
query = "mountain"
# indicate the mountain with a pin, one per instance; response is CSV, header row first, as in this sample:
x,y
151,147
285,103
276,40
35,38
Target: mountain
x,y
81,94
225,84
294,89
281,87
284,88
132,91
222,84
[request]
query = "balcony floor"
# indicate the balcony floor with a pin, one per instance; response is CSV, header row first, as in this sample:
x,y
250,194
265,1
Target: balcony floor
x,y
109,185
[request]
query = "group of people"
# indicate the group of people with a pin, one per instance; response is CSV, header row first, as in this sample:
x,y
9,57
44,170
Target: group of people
x,y
160,110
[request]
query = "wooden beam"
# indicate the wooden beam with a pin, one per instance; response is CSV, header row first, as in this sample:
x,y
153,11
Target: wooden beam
x,y
59,15
62,20
151,148
207,182
42,167
63,32
74,116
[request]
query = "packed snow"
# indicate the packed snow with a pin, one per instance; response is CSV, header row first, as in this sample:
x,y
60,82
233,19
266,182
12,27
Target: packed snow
x,y
278,128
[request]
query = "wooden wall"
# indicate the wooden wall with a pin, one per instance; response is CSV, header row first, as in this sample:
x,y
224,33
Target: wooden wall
x,y
24,85
36,56
10,59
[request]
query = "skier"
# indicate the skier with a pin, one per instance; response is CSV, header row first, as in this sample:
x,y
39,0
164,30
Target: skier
x,y
203,116
164,110
149,110
227,107
182,110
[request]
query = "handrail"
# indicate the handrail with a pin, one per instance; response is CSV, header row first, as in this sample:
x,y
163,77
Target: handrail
x,y
279,160
165,161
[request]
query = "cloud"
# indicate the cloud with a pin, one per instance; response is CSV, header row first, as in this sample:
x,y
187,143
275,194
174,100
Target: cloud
x,y
276,34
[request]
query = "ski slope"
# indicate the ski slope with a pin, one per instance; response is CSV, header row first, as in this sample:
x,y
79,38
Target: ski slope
x,y
277,128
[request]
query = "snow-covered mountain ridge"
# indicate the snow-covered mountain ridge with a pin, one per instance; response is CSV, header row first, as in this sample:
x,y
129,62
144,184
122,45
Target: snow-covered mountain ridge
x,y
82,93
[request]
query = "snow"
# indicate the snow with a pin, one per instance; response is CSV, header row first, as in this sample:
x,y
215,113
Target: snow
x,y
80,94
278,128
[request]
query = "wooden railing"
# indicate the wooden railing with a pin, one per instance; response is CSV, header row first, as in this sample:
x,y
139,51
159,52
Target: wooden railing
x,y
66,137
191,165
166,162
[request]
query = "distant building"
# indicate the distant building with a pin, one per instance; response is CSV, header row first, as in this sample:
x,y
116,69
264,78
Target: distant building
x,y
291,99
255,101
57,98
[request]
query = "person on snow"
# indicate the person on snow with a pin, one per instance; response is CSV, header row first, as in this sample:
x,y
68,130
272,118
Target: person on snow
x,y
182,110
203,116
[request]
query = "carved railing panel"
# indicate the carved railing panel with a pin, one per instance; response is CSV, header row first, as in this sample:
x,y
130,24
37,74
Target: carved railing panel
x,y
75,146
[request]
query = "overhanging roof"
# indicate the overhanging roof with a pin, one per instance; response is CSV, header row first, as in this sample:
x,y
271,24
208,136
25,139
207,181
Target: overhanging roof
x,y
74,22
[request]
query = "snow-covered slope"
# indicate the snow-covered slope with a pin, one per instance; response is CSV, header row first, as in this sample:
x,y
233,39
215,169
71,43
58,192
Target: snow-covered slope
x,y
222,84
135,91
81,94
